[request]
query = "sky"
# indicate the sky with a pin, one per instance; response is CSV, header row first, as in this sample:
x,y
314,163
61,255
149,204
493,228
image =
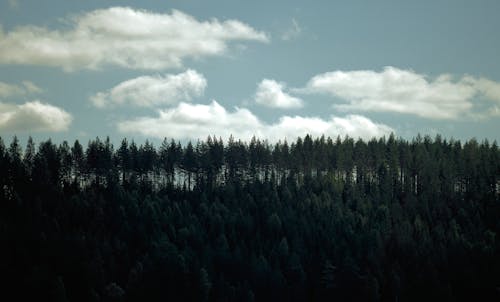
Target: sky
x,y
274,69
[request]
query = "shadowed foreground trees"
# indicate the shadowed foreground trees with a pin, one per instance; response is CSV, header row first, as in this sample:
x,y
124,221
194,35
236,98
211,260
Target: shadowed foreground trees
x,y
317,219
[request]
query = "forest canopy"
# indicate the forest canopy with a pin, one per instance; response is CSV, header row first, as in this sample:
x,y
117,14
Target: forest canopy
x,y
315,219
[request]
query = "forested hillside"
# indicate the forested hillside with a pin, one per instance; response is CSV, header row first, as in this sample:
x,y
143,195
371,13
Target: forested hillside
x,y
317,219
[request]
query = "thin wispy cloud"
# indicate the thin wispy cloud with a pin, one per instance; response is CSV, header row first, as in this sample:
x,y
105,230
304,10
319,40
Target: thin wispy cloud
x,y
13,4
293,32
124,37
25,88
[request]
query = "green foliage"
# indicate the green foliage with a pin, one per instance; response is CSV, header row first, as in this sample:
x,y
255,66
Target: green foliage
x,y
314,220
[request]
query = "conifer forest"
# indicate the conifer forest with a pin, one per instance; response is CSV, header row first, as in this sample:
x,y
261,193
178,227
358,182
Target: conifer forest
x,y
315,219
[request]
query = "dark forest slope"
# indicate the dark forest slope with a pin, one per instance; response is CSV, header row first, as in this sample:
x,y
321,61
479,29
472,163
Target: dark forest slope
x,y
317,219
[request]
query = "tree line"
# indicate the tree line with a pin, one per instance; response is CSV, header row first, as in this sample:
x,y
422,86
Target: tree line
x,y
316,219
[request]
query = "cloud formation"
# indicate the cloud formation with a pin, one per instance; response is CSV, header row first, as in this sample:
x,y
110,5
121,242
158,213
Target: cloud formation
x,y
293,32
125,37
490,89
26,88
149,91
404,91
33,117
270,93
196,121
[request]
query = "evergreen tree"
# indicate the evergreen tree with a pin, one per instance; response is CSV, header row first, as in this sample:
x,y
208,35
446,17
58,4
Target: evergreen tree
x,y
317,220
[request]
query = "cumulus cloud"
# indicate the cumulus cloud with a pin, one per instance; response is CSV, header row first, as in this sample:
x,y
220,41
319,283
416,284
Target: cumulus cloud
x,y
404,91
125,37
26,88
490,89
148,91
196,121
270,93
33,116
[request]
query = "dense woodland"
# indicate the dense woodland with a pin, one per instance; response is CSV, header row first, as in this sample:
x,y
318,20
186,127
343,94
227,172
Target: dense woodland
x,y
317,219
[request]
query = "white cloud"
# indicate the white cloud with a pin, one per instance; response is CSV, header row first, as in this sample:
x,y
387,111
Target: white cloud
x,y
33,117
293,32
122,36
490,89
404,91
187,121
148,91
270,93
27,88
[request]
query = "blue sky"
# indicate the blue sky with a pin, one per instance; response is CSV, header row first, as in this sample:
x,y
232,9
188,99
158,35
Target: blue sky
x,y
188,69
